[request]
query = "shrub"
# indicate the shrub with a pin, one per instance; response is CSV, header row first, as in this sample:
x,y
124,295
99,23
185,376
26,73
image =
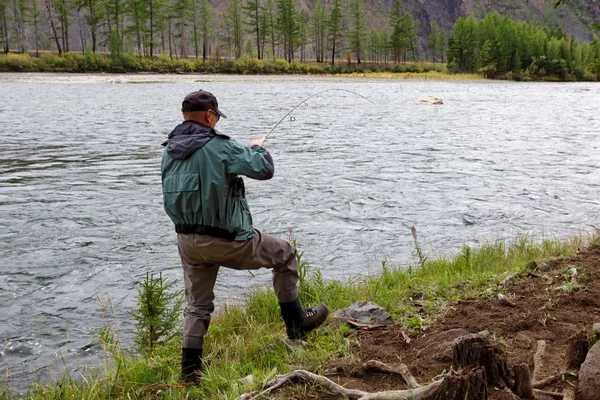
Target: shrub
x,y
17,63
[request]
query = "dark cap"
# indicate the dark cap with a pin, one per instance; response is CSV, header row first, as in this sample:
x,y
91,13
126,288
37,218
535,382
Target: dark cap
x,y
201,101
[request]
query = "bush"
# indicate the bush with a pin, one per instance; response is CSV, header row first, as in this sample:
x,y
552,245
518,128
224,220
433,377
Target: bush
x,y
17,63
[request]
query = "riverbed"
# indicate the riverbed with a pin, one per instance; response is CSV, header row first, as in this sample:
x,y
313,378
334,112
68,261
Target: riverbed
x,y
81,218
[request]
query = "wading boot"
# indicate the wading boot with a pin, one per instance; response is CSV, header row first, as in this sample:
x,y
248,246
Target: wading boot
x,y
191,365
299,321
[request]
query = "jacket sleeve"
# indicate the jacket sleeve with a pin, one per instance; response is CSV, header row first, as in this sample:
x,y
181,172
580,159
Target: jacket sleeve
x,y
255,162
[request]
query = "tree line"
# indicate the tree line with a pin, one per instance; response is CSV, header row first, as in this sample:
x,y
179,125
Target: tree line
x,y
498,46
334,29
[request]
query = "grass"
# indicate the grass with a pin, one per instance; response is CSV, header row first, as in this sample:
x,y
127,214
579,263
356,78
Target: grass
x,y
247,339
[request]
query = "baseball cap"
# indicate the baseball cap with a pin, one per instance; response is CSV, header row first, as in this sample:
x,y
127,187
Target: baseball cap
x,y
201,101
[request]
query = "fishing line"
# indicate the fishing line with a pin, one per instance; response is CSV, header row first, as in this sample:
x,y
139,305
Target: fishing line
x,y
304,102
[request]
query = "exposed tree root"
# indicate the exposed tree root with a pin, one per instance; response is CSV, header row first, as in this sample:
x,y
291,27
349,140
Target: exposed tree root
x,y
401,370
538,360
279,381
556,395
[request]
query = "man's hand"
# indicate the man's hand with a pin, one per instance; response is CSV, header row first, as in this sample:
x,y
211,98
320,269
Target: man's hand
x,y
258,142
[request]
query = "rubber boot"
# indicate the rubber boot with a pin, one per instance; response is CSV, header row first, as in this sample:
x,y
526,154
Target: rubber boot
x,y
299,321
191,365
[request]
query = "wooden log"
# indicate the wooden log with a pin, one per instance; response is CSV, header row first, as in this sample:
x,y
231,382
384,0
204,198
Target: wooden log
x,y
523,385
477,350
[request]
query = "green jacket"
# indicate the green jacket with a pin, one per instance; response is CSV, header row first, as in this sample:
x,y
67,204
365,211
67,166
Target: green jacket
x,y
203,192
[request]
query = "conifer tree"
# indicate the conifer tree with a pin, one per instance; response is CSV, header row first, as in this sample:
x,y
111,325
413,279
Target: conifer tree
x,y
357,33
253,10
335,27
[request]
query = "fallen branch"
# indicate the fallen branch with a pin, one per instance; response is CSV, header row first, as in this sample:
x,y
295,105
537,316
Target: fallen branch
x,y
401,370
506,280
421,393
538,360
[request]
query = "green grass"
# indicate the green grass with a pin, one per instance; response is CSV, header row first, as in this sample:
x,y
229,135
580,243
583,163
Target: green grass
x,y
248,338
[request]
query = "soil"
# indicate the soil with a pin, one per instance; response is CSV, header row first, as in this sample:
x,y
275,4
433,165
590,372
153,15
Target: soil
x,y
545,310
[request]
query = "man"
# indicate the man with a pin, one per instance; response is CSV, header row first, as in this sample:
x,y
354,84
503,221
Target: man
x,y
204,196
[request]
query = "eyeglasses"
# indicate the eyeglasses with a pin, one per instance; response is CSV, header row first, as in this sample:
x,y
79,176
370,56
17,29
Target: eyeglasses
x,y
217,116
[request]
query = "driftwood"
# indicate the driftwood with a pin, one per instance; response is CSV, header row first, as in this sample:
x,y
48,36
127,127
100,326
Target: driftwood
x,y
401,370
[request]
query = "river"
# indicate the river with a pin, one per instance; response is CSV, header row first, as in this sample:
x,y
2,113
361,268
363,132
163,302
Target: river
x,y
81,219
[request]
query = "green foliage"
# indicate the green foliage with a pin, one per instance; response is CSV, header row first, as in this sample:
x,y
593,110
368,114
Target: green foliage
x,y
157,313
500,47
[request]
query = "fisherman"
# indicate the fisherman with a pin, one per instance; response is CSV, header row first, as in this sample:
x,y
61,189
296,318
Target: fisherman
x,y
204,195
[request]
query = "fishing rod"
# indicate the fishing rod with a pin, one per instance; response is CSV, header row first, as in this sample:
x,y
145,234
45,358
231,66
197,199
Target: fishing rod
x,y
306,104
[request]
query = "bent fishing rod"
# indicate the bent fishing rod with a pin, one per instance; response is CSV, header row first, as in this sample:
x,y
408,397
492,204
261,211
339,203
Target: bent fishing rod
x,y
304,102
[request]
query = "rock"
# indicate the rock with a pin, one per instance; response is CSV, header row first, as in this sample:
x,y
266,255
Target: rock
x,y
431,100
364,312
589,375
596,329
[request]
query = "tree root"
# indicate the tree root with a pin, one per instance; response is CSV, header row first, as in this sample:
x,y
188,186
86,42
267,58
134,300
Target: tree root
x,y
538,360
401,370
279,381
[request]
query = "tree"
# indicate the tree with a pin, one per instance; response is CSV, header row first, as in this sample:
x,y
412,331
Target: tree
x,y
287,24
318,30
357,34
234,23
397,38
270,21
53,25
205,26
335,27
19,13
35,19
253,13
302,33
434,43
93,17
5,40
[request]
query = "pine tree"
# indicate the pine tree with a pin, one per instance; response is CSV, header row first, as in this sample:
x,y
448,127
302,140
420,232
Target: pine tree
x,y
357,33
205,26
335,27
93,17
318,30
234,23
433,41
270,20
287,24
253,10
397,40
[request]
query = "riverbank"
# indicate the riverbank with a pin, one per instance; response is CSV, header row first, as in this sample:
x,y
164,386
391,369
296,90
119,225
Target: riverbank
x,y
248,339
95,63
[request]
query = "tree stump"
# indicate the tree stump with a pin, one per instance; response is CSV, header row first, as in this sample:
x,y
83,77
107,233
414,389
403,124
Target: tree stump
x,y
477,350
577,350
470,385
523,384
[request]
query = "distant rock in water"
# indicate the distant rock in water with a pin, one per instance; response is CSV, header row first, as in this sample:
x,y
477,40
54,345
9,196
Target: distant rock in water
x,y
431,100
364,312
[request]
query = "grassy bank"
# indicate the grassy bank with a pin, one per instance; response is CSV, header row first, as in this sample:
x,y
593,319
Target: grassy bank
x,y
247,339
89,62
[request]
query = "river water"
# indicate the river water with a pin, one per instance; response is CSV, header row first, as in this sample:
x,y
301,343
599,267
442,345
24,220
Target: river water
x,y
81,219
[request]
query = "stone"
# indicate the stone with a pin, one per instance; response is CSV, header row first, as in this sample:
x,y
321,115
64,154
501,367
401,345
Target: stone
x,y
364,312
596,329
431,100
589,375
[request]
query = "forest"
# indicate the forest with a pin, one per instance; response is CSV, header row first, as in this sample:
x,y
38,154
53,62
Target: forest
x,y
196,36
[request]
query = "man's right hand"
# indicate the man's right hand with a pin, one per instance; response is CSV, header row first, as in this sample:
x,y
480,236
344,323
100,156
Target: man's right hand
x,y
258,142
